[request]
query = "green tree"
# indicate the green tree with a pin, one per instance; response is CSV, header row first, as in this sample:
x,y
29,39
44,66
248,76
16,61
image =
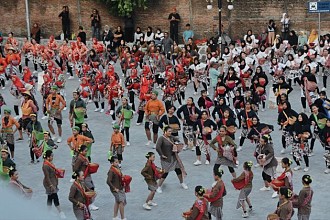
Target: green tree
x,y
125,7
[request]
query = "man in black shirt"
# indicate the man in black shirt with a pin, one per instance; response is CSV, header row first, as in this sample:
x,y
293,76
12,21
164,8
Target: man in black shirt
x,y
82,35
64,15
174,19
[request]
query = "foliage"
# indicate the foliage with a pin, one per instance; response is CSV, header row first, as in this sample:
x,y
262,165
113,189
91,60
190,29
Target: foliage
x,y
125,7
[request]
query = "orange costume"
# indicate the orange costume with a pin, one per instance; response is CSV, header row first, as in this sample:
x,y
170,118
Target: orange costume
x,y
154,107
76,141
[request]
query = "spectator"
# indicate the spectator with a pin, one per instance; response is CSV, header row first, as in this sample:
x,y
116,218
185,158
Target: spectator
x,y
118,36
96,24
159,36
285,26
302,40
293,39
174,19
149,36
82,35
64,15
35,32
167,43
107,36
271,28
137,35
129,29
188,33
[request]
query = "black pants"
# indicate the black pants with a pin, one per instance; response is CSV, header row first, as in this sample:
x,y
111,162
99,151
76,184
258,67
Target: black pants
x,y
32,155
306,159
51,198
217,166
266,177
174,30
140,117
325,81
66,30
131,99
126,130
177,171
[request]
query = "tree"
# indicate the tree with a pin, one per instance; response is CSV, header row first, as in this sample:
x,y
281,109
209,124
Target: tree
x,y
125,7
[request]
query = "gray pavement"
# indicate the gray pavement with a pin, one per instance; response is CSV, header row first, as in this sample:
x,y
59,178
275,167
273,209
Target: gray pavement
x,y
174,200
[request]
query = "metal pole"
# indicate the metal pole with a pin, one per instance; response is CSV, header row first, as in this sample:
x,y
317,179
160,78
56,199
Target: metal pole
x,y
79,12
319,31
220,25
27,13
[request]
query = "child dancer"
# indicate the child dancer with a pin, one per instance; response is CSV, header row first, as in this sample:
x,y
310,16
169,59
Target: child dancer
x,y
117,143
114,181
246,177
199,209
151,173
216,194
285,179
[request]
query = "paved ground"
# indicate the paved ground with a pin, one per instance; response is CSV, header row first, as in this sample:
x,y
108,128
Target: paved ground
x,y
174,199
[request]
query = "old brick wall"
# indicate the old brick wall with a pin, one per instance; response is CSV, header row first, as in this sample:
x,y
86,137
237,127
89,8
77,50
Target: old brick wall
x,y
247,14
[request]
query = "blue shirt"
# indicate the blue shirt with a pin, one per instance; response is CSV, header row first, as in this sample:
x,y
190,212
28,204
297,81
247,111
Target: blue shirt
x,y
188,34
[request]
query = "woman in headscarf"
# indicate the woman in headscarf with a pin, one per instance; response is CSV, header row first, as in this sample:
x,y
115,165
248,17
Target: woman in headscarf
x,y
313,39
301,132
286,119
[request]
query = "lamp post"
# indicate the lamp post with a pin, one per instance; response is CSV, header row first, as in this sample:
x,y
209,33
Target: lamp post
x,y
27,15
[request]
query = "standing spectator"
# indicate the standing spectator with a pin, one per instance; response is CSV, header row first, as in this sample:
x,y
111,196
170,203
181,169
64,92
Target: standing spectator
x,y
174,19
188,33
64,15
118,36
96,24
271,32
107,36
167,43
35,32
302,40
293,39
82,35
129,29
285,26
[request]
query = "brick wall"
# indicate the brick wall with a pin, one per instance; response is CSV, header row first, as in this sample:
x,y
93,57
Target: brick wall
x,y
247,14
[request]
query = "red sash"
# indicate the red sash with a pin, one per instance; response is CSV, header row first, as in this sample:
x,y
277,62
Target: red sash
x,y
82,191
86,172
201,207
156,173
118,173
219,195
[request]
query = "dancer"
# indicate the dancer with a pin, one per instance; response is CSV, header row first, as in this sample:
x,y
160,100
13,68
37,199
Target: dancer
x,y
54,105
117,144
266,159
50,182
85,131
203,129
80,196
246,180
285,179
82,163
284,209
151,174
115,183
17,186
7,131
200,207
125,113
154,109
301,132
227,154
304,199
77,110
167,147
216,194
325,137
